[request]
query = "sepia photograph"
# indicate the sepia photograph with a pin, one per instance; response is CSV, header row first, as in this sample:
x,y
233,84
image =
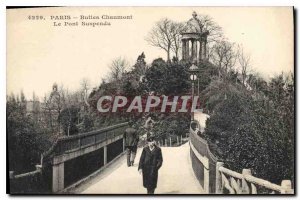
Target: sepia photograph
x,y
126,100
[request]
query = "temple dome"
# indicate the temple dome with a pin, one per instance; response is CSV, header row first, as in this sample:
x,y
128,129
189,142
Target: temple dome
x,y
193,25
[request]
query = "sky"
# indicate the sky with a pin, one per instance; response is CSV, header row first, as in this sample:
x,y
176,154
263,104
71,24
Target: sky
x,y
39,54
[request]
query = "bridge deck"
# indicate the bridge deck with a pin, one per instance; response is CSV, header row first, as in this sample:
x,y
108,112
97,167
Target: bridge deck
x,y
175,176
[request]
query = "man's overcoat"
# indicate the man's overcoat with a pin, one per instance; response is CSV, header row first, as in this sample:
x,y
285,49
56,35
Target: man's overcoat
x,y
150,162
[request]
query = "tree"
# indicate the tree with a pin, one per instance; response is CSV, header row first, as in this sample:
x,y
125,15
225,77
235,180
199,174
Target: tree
x,y
216,92
176,29
68,119
27,140
171,125
140,66
117,68
165,35
242,126
241,129
133,81
224,56
85,87
167,78
244,64
281,99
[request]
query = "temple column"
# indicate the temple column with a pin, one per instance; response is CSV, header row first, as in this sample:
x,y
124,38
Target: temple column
x,y
183,49
203,49
193,50
205,56
187,52
200,50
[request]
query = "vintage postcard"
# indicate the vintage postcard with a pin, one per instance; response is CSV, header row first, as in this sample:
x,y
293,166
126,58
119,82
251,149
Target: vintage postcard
x,y
150,100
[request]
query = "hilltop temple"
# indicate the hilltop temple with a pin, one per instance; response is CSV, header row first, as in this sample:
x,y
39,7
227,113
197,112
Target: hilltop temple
x,y
194,40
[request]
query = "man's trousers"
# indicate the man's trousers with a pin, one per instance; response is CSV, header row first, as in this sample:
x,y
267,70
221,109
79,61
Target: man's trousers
x,y
131,153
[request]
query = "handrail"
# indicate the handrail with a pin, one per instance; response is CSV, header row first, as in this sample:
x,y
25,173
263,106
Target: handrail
x,y
212,156
283,188
80,136
264,183
204,156
48,152
233,184
32,173
27,174
201,158
64,146
64,138
231,173
193,132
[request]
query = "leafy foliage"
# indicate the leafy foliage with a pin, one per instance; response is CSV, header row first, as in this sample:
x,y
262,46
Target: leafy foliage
x,y
250,132
68,119
167,78
27,140
172,125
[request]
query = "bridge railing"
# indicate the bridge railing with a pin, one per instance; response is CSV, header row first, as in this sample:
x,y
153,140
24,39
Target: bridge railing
x,y
76,142
215,178
235,183
50,175
29,182
203,162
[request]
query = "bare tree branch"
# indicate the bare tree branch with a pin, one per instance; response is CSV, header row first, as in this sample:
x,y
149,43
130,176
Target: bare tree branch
x,y
224,56
117,68
162,35
244,64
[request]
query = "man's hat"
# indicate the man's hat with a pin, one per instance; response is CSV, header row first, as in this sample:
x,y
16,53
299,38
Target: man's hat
x,y
130,123
150,139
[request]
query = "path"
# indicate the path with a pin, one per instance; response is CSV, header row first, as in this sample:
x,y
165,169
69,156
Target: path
x,y
175,176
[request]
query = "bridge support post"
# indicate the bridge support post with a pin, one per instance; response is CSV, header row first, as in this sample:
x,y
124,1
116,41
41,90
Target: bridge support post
x,y
219,178
181,139
58,177
206,180
105,155
123,144
287,185
11,174
245,185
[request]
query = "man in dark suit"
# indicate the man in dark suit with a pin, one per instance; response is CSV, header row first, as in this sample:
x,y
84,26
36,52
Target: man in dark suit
x,y
131,138
150,162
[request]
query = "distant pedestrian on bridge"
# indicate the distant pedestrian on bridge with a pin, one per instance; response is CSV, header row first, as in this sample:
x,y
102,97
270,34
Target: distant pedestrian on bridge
x,y
150,162
149,124
131,138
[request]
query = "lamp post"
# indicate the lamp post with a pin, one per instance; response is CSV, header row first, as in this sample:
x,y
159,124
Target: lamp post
x,y
193,70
